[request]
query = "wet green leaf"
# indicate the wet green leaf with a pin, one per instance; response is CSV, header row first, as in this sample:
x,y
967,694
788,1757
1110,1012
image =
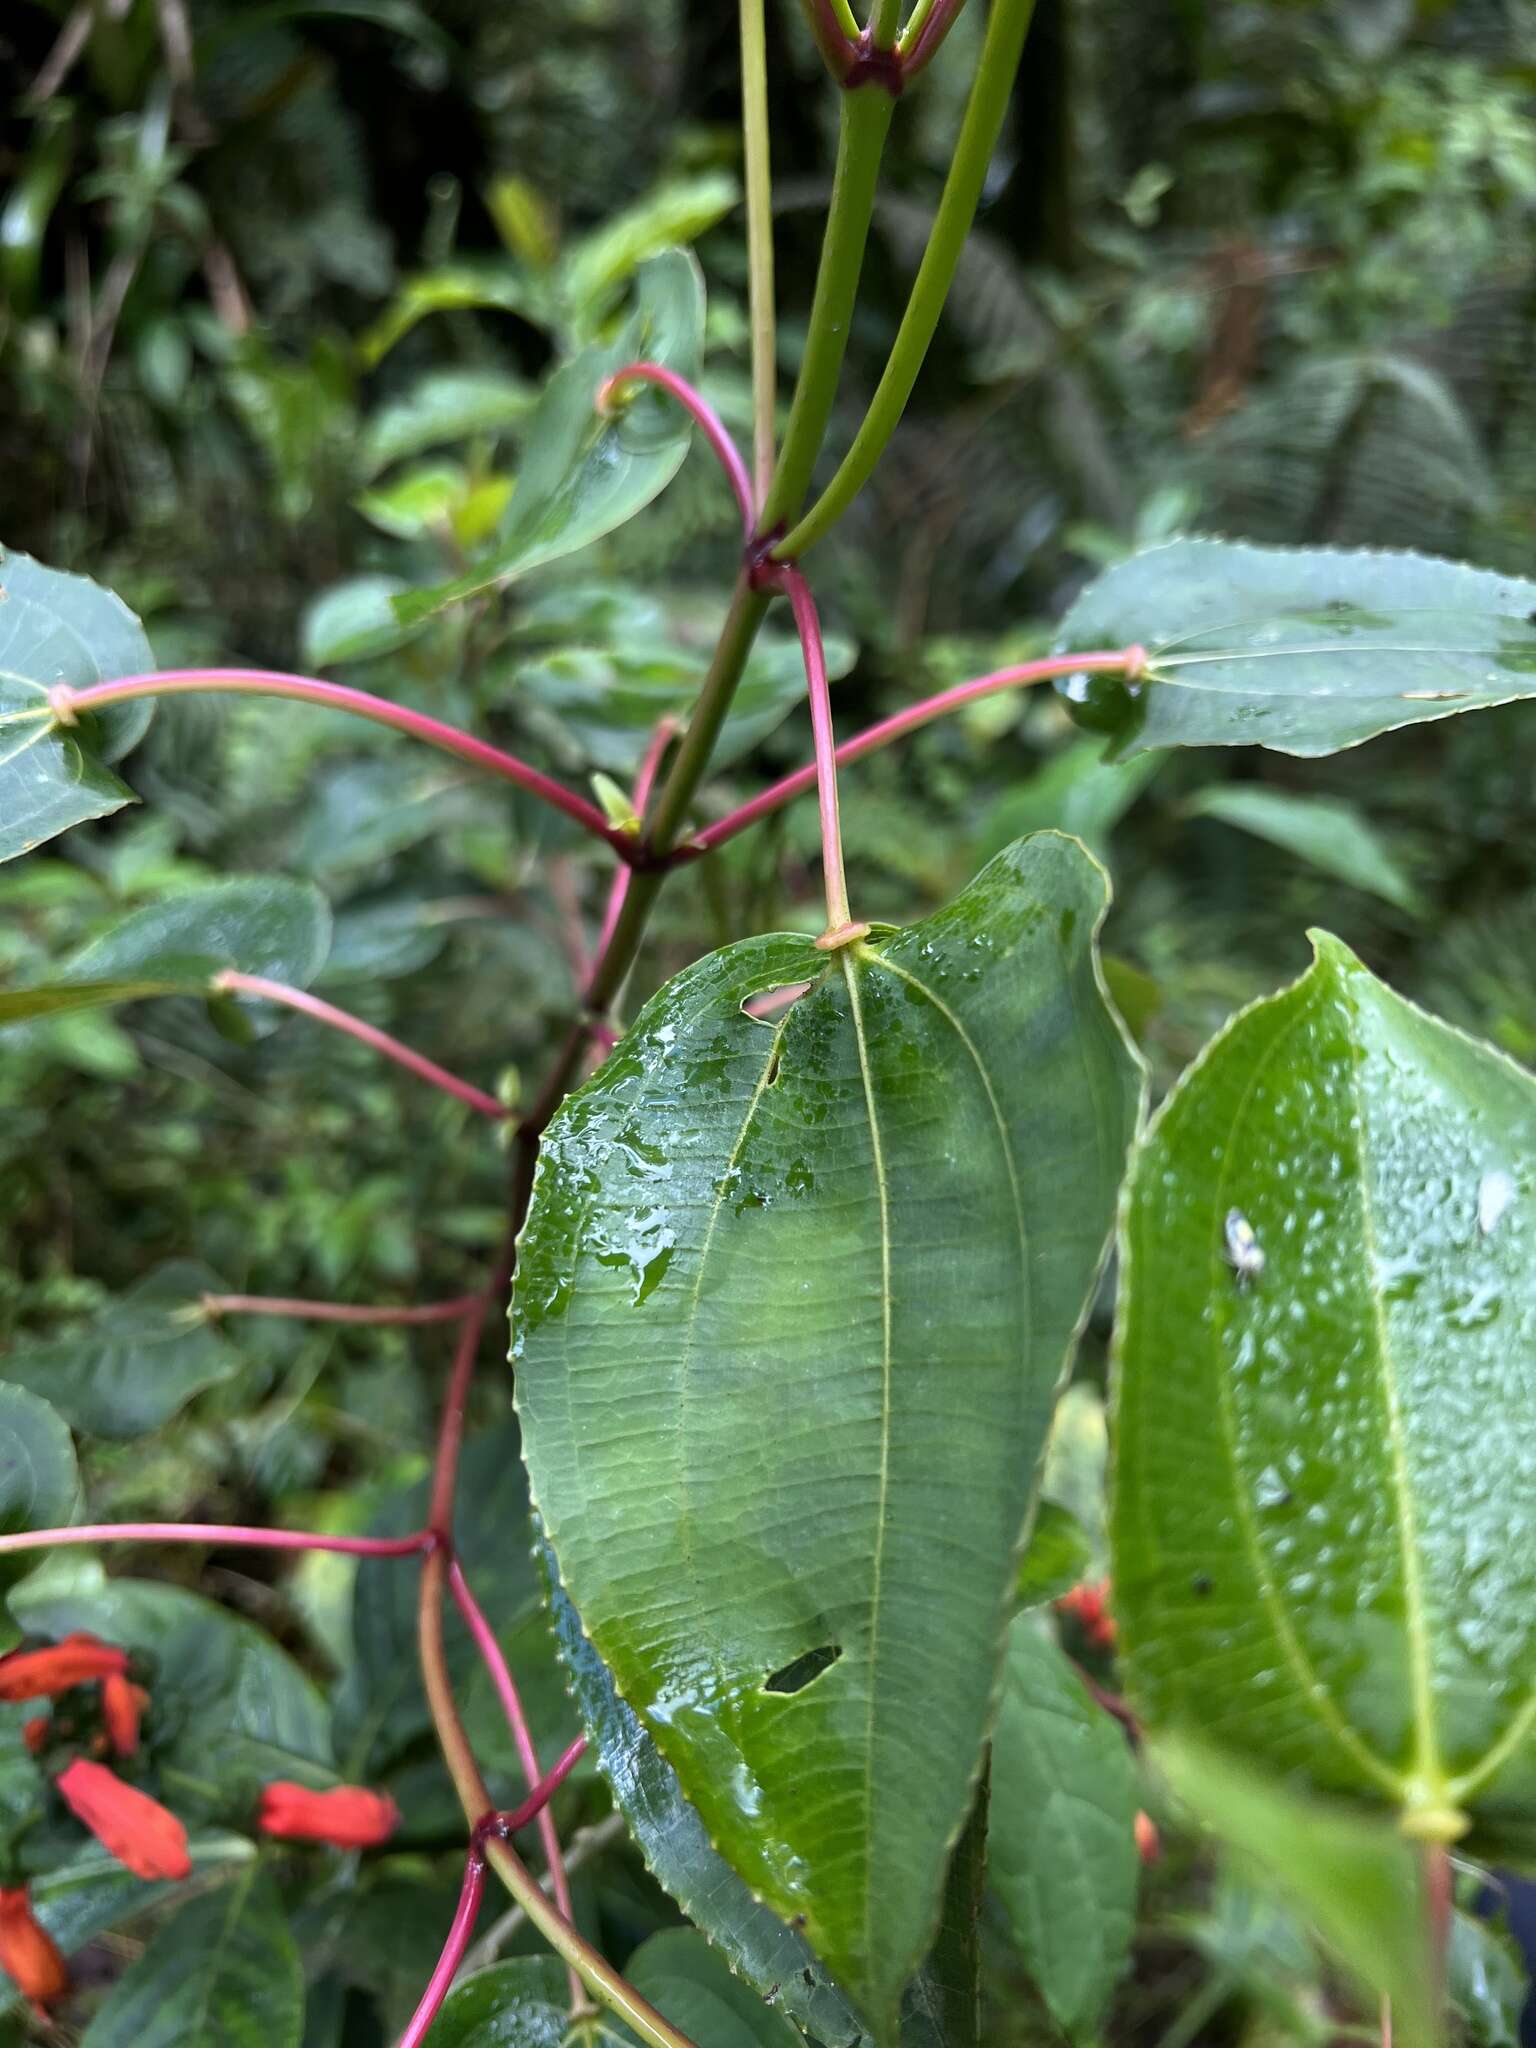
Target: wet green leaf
x,y
269,926
137,1362
1325,1429
224,1973
583,474
39,1479
1061,1851
1335,837
1304,650
1485,1982
56,628
805,1235
1352,1877
523,2003
693,1986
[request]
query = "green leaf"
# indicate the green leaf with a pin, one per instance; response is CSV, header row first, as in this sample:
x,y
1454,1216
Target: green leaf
x,y
230,1709
460,287
1353,1878
93,1893
39,1479
693,1986
1320,1458
1332,836
268,925
224,1973
675,213
1303,650
1057,1556
1062,1844
584,474
518,2004
680,1856
1075,791
56,628
636,662
795,1236
353,621
1485,1983
442,407
138,1361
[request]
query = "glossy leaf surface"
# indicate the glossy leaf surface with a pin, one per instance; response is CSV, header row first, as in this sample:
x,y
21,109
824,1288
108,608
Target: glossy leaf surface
x,y
39,1479
693,1986
524,2003
224,1973
1325,1465
860,1240
1062,1846
269,926
136,1362
56,628
583,474
1304,650
1353,1878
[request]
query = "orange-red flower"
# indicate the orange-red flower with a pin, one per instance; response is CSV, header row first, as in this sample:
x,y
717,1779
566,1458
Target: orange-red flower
x,y
348,1817
1149,1844
33,1674
1089,1606
28,1953
138,1830
122,1708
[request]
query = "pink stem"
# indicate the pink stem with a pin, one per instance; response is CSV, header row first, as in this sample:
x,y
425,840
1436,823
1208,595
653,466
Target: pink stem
x,y
825,769
1128,660
539,1798
67,705
522,1734
645,782
441,1980
705,418
930,36
232,982
335,1311
236,1537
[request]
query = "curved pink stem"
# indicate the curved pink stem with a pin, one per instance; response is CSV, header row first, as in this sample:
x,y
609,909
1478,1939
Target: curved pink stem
x,y
67,704
824,770
441,1981
705,418
232,982
522,1734
546,1789
234,1537
336,1311
645,781
1125,660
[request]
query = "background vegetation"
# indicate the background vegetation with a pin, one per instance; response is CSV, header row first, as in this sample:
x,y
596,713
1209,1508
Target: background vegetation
x,y
278,285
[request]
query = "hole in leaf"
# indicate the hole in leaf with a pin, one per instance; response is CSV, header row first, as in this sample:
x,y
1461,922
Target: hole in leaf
x,y
796,1676
769,1004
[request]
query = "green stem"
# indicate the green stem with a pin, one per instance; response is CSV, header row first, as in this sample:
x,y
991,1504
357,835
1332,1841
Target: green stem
x,y
754,135
865,120
990,92
884,21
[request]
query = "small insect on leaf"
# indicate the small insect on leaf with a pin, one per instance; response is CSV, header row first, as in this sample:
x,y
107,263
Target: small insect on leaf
x,y
1243,1249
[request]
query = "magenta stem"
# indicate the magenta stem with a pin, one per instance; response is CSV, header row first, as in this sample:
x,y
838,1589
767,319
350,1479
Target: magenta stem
x,y
539,1798
441,1980
522,1735
336,1311
645,783
705,418
1128,660
238,1537
824,769
232,982
925,47
67,705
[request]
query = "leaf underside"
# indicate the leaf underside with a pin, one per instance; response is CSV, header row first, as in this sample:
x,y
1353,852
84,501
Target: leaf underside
x,y
1323,1524
793,1302
1303,650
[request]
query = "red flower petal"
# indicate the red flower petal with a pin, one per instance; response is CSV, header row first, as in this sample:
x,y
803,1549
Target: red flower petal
x,y
122,1708
142,1834
28,1953
348,1817
33,1674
